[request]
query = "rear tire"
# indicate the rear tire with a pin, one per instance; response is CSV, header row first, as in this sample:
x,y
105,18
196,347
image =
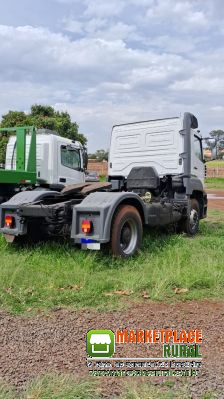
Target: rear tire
x,y
127,230
190,225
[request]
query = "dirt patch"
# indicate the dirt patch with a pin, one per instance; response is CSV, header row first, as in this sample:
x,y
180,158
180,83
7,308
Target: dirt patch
x,y
30,346
216,199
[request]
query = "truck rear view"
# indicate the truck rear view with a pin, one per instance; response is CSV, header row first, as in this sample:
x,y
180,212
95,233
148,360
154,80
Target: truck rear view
x,y
155,178
157,171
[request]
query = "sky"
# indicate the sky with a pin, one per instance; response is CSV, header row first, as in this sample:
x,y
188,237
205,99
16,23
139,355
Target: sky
x,y
110,62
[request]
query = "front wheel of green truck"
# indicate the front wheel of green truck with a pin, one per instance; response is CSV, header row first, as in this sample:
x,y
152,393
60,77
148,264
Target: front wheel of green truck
x,y
126,233
190,224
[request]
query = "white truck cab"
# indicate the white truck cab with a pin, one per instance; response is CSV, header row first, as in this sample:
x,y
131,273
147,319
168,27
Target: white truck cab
x,y
59,161
155,143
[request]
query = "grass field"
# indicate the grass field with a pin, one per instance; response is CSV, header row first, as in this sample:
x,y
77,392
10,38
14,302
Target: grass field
x,y
57,274
169,268
214,183
214,164
59,386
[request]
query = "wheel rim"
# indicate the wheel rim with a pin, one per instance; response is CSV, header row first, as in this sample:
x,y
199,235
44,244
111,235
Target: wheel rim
x,y
194,219
128,237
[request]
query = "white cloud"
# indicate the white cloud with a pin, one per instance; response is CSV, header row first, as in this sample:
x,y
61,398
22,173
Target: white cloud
x,y
183,13
115,62
175,45
72,25
200,84
218,108
58,55
102,8
100,28
67,1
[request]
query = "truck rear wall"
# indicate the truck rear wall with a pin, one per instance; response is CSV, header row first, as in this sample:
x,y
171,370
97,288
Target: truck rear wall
x,y
156,143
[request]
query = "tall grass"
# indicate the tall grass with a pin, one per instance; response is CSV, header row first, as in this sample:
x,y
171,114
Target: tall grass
x,y
57,274
61,386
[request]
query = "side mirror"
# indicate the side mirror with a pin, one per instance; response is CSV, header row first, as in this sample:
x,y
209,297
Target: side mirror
x,y
85,158
194,122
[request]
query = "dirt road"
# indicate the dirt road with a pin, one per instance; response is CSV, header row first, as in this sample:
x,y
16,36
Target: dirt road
x,y
33,345
216,199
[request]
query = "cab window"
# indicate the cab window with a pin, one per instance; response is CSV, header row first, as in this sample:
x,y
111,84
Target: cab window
x,y
70,158
197,148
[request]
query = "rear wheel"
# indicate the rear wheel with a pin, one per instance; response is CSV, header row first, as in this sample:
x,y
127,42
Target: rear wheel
x,y
126,234
190,225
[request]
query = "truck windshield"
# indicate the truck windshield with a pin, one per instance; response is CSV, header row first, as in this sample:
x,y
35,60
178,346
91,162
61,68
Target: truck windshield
x,y
70,158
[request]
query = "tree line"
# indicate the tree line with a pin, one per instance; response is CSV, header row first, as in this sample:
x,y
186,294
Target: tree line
x,y
216,140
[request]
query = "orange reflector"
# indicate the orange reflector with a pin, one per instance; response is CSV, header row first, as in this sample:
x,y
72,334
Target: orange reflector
x,y
86,226
9,221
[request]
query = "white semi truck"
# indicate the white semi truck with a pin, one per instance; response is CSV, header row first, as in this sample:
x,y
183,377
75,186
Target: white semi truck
x,y
59,161
155,178
40,158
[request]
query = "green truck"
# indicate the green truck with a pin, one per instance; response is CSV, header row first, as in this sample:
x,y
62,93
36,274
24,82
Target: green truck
x,y
25,172
40,158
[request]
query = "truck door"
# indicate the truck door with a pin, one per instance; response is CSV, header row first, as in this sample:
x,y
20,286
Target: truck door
x,y
197,162
70,165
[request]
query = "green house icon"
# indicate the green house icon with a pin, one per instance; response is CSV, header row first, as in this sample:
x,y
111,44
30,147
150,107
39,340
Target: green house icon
x,y
100,343
101,339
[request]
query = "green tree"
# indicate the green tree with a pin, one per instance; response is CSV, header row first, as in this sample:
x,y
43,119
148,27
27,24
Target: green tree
x,y
217,134
14,118
3,144
216,140
41,116
100,155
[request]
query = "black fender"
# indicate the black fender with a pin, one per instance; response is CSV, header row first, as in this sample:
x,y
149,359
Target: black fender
x,y
28,197
13,205
102,206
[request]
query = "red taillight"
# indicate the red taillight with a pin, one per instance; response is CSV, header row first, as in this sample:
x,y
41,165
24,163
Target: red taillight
x,y
86,226
9,221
